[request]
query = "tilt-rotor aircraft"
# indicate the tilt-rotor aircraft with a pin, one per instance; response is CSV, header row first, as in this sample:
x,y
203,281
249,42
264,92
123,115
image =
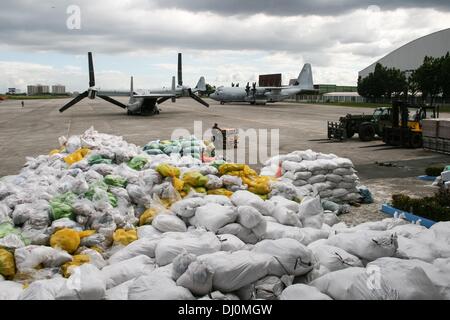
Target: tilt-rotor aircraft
x,y
143,102
262,95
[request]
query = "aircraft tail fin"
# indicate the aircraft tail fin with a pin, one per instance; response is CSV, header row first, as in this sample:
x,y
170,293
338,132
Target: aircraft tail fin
x,y
201,84
305,78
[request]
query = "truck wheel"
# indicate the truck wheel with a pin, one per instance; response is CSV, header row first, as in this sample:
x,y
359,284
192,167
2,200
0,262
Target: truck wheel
x,y
416,141
366,132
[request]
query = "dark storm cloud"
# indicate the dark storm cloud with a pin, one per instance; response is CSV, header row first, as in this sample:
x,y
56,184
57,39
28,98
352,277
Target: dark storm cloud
x,y
294,7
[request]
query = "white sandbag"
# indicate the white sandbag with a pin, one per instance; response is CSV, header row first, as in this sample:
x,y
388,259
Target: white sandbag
x,y
311,212
289,256
125,270
235,270
339,192
268,288
343,163
354,284
11,242
334,177
43,289
248,216
283,202
143,246
286,217
303,235
29,257
413,249
217,295
230,242
169,223
197,243
198,278
214,182
186,207
95,258
246,235
73,144
293,166
330,219
317,179
260,229
148,231
245,198
343,171
155,287
181,263
367,245
302,292
213,216
10,290
407,278
222,200
334,258
85,283
119,292
408,230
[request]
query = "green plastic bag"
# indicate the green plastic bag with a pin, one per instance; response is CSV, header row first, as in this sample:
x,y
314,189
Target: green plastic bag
x,y
137,163
97,159
90,193
61,206
7,229
195,179
112,199
115,181
217,163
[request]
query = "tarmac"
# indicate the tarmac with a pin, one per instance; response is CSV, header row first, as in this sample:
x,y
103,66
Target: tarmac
x,y
34,130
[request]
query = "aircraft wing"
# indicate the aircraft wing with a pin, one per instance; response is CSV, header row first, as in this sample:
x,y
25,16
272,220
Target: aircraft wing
x,y
155,95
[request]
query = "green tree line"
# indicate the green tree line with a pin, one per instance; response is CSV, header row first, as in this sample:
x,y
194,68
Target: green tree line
x,y
432,79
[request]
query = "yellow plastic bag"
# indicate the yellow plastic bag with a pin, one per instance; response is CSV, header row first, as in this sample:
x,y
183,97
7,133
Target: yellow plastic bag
x,y
167,170
86,233
178,184
7,263
200,190
65,239
76,156
148,216
77,261
195,179
220,192
230,167
125,237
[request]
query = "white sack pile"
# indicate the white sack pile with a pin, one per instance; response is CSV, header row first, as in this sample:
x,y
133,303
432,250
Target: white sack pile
x,y
328,175
112,226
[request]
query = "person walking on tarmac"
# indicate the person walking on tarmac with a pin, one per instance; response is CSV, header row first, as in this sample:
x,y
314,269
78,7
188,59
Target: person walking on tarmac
x,y
23,104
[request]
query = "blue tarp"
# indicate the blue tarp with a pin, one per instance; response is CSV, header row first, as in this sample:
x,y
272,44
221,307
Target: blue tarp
x,y
408,216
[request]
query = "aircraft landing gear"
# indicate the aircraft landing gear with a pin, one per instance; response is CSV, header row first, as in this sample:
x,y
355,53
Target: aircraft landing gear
x,y
222,103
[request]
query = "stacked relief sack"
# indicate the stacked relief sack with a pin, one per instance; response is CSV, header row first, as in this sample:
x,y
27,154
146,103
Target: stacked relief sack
x,y
332,177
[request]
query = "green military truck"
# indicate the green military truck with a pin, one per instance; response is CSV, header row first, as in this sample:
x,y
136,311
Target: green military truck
x,y
366,126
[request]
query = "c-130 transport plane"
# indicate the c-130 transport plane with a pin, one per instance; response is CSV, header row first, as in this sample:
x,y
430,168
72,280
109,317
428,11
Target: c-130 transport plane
x,y
143,102
262,95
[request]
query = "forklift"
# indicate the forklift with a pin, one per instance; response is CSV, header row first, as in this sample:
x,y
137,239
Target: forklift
x,y
405,129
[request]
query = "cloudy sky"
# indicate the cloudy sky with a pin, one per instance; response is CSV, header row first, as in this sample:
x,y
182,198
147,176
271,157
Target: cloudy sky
x,y
226,41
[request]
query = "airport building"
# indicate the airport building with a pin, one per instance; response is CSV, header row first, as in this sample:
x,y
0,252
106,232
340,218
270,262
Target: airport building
x,y
59,89
38,89
410,56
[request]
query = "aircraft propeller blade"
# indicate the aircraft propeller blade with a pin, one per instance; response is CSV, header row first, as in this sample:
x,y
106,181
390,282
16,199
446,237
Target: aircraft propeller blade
x,y
113,101
91,71
163,99
180,69
77,99
198,99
